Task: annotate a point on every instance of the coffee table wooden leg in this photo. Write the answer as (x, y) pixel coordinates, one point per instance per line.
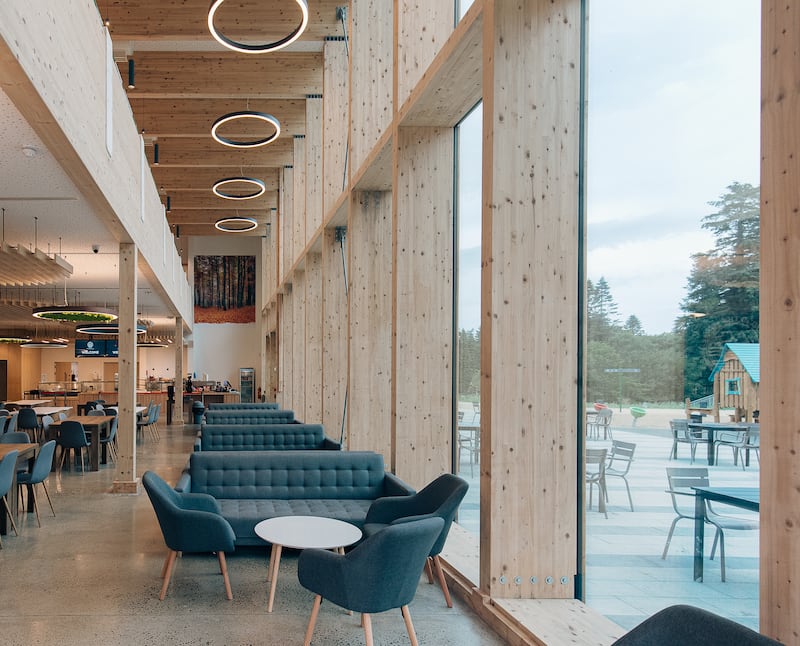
(276, 562)
(269, 563)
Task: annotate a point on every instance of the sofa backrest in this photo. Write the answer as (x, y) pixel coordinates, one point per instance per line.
(243, 406)
(288, 475)
(269, 437)
(247, 416)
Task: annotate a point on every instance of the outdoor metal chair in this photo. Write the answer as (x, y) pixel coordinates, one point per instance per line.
(619, 463)
(596, 477)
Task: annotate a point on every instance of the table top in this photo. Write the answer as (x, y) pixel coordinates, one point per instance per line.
(303, 532)
(31, 402)
(86, 420)
(23, 449)
(51, 410)
(745, 497)
(734, 425)
(137, 409)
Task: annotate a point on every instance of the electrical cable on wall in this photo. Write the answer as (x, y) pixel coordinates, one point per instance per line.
(341, 234)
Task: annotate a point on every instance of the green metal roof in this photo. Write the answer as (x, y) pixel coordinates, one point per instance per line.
(747, 353)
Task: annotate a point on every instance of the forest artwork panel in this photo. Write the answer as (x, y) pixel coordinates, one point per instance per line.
(224, 289)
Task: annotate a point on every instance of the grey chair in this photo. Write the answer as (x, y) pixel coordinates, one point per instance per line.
(440, 498)
(7, 467)
(108, 443)
(681, 481)
(15, 437)
(38, 474)
(596, 477)
(683, 625)
(191, 523)
(736, 440)
(683, 434)
(379, 574)
(11, 426)
(619, 464)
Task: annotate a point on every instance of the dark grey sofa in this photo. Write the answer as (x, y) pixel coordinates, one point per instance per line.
(251, 486)
(250, 416)
(264, 437)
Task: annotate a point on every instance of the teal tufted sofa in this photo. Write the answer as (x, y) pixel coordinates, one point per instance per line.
(251, 486)
(264, 437)
(250, 416)
(243, 406)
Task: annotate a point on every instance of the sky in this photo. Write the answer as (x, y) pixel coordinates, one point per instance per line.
(672, 120)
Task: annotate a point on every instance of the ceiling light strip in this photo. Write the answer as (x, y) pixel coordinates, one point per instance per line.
(263, 48)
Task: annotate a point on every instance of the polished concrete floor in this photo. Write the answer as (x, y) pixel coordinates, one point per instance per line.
(91, 576)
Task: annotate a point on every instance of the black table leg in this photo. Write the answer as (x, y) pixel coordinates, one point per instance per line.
(699, 530)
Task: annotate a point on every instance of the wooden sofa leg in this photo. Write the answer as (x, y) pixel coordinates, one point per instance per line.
(412, 635)
(367, 623)
(223, 566)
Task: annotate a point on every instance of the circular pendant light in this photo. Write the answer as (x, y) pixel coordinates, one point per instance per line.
(11, 339)
(262, 48)
(221, 184)
(105, 328)
(236, 224)
(43, 344)
(74, 314)
(245, 114)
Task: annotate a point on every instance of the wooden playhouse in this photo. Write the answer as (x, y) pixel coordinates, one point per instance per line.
(736, 377)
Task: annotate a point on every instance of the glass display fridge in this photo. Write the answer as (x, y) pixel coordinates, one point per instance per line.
(247, 378)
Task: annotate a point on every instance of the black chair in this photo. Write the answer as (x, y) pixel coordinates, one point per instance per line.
(38, 475)
(190, 522)
(379, 574)
(28, 422)
(683, 625)
(439, 498)
(71, 437)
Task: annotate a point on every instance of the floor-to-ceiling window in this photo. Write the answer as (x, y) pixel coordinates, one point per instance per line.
(468, 322)
(672, 295)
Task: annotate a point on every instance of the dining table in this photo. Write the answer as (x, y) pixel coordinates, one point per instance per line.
(742, 497)
(97, 426)
(31, 403)
(712, 428)
(25, 451)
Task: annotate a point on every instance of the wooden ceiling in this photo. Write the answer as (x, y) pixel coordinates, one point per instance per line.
(185, 80)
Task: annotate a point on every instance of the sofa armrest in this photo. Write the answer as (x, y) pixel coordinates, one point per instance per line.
(198, 441)
(394, 486)
(330, 445)
(184, 484)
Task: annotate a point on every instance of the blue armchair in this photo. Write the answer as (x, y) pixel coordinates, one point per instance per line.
(378, 574)
(190, 522)
(440, 498)
(683, 625)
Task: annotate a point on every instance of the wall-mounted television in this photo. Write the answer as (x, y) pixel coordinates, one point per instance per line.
(112, 348)
(90, 348)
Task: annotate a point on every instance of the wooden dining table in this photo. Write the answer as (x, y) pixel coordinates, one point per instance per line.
(98, 426)
(25, 451)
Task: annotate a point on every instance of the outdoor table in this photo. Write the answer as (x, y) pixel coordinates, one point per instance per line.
(716, 427)
(743, 497)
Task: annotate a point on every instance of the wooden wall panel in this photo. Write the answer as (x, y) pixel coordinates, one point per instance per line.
(370, 247)
(371, 76)
(285, 360)
(299, 344)
(334, 330)
(286, 241)
(298, 200)
(336, 113)
(272, 367)
(313, 152)
(422, 29)
(780, 322)
(423, 327)
(313, 334)
(529, 335)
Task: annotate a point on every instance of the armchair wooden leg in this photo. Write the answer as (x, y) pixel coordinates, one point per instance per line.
(428, 570)
(170, 564)
(223, 566)
(409, 626)
(367, 622)
(312, 620)
(442, 582)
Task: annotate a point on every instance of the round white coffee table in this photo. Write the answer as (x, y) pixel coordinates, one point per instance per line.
(302, 532)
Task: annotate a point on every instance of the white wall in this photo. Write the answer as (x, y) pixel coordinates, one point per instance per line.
(220, 350)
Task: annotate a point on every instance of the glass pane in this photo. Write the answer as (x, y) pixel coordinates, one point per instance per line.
(672, 296)
(468, 313)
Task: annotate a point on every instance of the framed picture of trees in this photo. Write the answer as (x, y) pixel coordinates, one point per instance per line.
(224, 289)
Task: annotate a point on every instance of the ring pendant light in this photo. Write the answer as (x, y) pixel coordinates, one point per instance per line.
(105, 328)
(263, 48)
(74, 314)
(219, 192)
(246, 114)
(236, 224)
